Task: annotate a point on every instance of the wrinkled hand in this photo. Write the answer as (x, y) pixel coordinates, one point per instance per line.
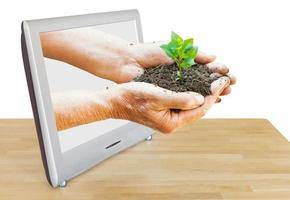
(111, 57)
(159, 108)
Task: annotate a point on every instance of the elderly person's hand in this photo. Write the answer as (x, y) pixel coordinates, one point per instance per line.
(162, 109)
(143, 103)
(111, 57)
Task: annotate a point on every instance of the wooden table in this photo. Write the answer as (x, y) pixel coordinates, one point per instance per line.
(210, 159)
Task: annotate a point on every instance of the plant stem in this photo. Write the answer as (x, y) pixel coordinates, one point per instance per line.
(180, 75)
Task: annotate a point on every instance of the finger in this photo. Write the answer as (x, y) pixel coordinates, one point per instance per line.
(188, 116)
(179, 100)
(161, 98)
(226, 91)
(233, 79)
(218, 68)
(167, 99)
(157, 56)
(203, 58)
(216, 75)
(218, 86)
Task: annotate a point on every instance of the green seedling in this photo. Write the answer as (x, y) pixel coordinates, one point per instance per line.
(183, 52)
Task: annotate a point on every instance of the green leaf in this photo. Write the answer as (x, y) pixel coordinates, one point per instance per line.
(167, 50)
(174, 49)
(190, 52)
(187, 63)
(176, 39)
(194, 52)
(188, 43)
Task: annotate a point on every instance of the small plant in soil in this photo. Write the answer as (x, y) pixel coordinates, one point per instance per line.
(184, 74)
(181, 51)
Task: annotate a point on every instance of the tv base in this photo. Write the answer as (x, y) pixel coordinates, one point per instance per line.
(149, 138)
(63, 184)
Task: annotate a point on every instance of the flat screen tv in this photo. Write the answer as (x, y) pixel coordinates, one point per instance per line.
(66, 97)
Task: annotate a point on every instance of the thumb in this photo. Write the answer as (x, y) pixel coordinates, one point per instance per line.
(217, 88)
(154, 52)
(203, 58)
(179, 100)
(162, 98)
(166, 99)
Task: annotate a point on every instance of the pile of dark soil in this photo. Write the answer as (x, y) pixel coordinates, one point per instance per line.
(196, 79)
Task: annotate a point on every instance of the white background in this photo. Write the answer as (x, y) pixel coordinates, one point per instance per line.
(252, 37)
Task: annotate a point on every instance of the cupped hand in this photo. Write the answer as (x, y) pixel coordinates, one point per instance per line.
(111, 57)
(146, 55)
(159, 108)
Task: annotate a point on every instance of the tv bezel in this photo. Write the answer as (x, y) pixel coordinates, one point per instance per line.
(62, 166)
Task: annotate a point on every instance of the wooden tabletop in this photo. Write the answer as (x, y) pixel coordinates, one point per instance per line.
(210, 159)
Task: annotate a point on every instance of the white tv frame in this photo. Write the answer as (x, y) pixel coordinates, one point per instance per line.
(62, 166)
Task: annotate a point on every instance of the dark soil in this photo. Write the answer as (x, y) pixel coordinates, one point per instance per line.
(196, 79)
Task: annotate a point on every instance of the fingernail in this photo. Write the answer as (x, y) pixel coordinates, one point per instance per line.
(218, 100)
